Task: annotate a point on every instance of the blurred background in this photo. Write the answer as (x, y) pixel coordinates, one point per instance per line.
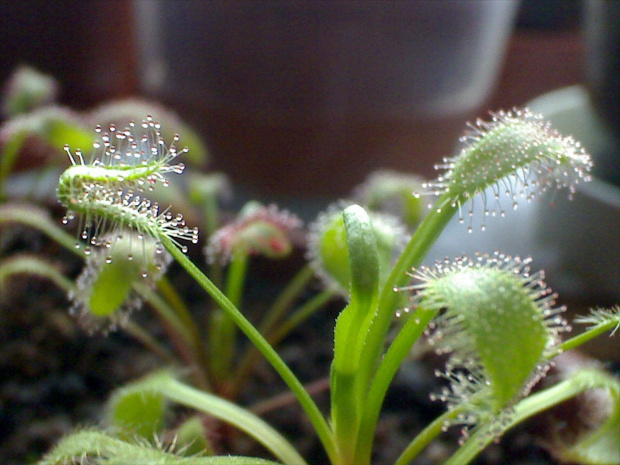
(299, 101)
(305, 98)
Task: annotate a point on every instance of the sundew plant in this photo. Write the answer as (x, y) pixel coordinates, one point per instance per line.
(492, 315)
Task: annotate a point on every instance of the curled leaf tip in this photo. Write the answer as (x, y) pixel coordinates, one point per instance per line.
(498, 322)
(516, 154)
(106, 192)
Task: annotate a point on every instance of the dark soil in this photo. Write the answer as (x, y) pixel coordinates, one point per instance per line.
(54, 377)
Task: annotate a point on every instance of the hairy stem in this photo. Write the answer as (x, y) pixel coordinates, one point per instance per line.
(432, 430)
(399, 349)
(579, 382)
(413, 254)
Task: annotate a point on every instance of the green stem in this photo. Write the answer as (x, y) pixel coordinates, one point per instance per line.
(236, 277)
(584, 337)
(175, 302)
(271, 317)
(33, 266)
(399, 349)
(429, 433)
(180, 335)
(138, 333)
(318, 421)
(301, 314)
(223, 332)
(579, 382)
(211, 215)
(413, 254)
(186, 319)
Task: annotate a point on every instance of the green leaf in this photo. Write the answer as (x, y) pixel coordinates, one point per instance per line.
(601, 447)
(353, 321)
(363, 256)
(191, 438)
(497, 152)
(505, 325)
(133, 411)
(497, 325)
(112, 286)
(348, 379)
(163, 384)
(329, 247)
(104, 449)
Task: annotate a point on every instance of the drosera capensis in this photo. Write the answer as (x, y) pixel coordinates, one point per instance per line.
(494, 316)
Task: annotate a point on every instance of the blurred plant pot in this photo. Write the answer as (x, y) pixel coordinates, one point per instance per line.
(72, 42)
(577, 241)
(305, 98)
(602, 34)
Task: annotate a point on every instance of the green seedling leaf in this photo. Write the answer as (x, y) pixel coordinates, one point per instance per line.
(347, 377)
(362, 246)
(354, 320)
